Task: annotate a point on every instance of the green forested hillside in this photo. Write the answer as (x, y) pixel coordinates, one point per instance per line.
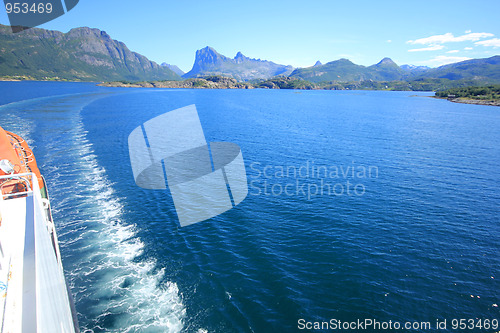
(479, 71)
(81, 54)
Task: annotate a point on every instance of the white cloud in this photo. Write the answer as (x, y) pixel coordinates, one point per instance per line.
(453, 51)
(468, 31)
(468, 48)
(444, 60)
(389, 41)
(448, 38)
(430, 48)
(437, 39)
(495, 42)
(473, 36)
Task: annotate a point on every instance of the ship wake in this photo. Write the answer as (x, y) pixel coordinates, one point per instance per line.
(114, 288)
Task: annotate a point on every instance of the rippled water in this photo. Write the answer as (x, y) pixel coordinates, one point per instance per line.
(379, 205)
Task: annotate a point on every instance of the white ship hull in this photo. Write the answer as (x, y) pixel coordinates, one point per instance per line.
(33, 292)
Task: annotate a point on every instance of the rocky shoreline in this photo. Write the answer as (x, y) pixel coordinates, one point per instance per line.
(475, 101)
(471, 101)
(220, 82)
(197, 83)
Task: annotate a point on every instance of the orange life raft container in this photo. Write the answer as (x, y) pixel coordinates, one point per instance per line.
(16, 151)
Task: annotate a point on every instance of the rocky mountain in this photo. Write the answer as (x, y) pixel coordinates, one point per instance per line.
(174, 69)
(81, 54)
(242, 68)
(486, 70)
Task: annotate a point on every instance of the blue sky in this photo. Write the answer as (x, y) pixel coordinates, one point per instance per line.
(296, 33)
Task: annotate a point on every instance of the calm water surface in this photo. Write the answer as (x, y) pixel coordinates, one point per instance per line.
(361, 205)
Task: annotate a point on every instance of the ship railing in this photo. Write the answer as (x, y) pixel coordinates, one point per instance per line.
(37, 303)
(28, 179)
(25, 178)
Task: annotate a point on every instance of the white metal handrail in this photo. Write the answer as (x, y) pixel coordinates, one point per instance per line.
(21, 177)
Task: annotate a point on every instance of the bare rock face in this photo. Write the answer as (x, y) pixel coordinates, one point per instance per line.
(242, 68)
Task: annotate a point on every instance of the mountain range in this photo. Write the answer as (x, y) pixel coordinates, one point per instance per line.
(242, 68)
(87, 54)
(343, 70)
(487, 69)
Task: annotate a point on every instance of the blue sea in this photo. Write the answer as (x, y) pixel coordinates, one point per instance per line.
(362, 205)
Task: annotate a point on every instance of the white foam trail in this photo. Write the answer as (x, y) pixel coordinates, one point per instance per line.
(113, 289)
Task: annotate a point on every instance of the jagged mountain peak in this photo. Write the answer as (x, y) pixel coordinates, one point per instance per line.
(207, 49)
(239, 58)
(210, 62)
(206, 56)
(208, 53)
